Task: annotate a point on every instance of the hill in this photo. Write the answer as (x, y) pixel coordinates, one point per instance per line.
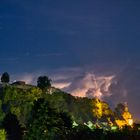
(20, 100)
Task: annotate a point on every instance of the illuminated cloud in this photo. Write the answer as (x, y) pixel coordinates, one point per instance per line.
(90, 85)
(61, 85)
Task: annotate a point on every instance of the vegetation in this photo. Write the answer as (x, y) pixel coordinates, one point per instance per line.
(5, 78)
(46, 123)
(2, 134)
(32, 113)
(43, 82)
(12, 127)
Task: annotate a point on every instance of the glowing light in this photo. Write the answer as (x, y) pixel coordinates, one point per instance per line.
(120, 123)
(130, 122)
(114, 128)
(74, 124)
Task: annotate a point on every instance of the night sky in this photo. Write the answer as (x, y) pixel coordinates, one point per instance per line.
(73, 40)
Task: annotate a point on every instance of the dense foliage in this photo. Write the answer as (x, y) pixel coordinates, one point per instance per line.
(46, 123)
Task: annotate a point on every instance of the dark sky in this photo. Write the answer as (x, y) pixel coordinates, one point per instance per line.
(92, 35)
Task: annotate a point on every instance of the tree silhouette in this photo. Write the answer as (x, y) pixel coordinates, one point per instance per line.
(43, 82)
(5, 78)
(12, 127)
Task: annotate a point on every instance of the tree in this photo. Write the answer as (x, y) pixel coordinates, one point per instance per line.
(119, 110)
(97, 108)
(5, 78)
(46, 123)
(43, 82)
(12, 127)
(122, 113)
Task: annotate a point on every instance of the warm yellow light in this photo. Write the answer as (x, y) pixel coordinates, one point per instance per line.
(130, 122)
(121, 123)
